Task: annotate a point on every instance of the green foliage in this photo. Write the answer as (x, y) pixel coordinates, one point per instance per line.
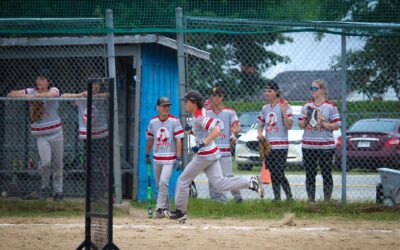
(375, 68)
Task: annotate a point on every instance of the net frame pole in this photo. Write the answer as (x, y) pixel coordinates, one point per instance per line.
(87, 243)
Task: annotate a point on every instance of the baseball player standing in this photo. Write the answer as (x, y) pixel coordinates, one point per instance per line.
(47, 129)
(319, 117)
(206, 158)
(229, 125)
(276, 116)
(99, 136)
(164, 135)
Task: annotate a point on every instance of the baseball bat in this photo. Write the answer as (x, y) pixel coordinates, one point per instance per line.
(149, 194)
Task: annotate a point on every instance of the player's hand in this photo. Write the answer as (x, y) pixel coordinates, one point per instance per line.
(179, 162)
(188, 127)
(148, 161)
(196, 148)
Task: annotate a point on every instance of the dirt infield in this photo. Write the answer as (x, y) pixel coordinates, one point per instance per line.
(138, 232)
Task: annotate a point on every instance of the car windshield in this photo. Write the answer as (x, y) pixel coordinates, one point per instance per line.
(373, 126)
(248, 118)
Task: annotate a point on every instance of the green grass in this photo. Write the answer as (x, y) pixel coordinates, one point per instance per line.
(36, 208)
(204, 208)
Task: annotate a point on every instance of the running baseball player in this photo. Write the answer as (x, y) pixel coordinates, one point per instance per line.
(164, 135)
(47, 129)
(206, 158)
(229, 125)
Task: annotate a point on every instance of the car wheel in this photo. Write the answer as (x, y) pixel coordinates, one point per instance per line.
(388, 201)
(379, 193)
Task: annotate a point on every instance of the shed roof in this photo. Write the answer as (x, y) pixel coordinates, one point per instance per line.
(98, 40)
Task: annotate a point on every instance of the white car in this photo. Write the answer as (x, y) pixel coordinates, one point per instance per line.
(247, 154)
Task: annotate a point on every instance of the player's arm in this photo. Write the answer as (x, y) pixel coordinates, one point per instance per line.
(260, 126)
(149, 145)
(329, 125)
(287, 122)
(51, 93)
(71, 95)
(334, 120)
(178, 147)
(212, 135)
(235, 128)
(18, 93)
(303, 118)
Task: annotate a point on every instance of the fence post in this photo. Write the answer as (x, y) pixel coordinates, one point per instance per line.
(182, 77)
(343, 117)
(112, 74)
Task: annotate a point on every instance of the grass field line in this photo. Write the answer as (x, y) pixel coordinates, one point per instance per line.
(205, 227)
(318, 185)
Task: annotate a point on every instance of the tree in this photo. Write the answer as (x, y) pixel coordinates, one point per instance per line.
(377, 67)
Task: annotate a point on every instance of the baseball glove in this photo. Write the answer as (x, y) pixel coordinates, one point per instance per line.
(37, 109)
(264, 148)
(313, 117)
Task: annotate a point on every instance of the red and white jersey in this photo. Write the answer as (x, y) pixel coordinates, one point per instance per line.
(271, 118)
(164, 134)
(225, 119)
(201, 127)
(50, 121)
(317, 137)
(99, 119)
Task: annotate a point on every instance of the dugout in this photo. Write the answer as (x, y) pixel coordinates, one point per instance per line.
(146, 67)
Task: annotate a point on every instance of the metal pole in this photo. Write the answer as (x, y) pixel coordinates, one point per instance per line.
(138, 91)
(343, 118)
(112, 74)
(182, 77)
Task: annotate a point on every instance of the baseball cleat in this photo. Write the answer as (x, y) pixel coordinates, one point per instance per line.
(255, 185)
(177, 215)
(160, 213)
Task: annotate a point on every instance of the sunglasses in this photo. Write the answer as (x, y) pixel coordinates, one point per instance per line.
(314, 88)
(220, 95)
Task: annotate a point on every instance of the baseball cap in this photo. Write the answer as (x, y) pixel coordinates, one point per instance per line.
(43, 73)
(163, 101)
(218, 91)
(271, 84)
(194, 96)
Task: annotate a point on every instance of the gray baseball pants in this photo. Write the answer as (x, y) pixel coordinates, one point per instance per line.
(162, 173)
(226, 167)
(51, 147)
(212, 169)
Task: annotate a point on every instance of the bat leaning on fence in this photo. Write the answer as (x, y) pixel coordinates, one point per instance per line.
(149, 194)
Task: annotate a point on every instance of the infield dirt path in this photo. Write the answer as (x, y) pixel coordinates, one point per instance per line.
(137, 232)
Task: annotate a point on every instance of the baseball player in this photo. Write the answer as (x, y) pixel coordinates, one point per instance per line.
(229, 125)
(319, 117)
(47, 129)
(276, 118)
(99, 136)
(206, 158)
(164, 135)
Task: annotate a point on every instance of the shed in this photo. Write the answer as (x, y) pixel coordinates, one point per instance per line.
(146, 68)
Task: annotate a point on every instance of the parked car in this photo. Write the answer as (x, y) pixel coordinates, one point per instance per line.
(247, 119)
(372, 144)
(247, 154)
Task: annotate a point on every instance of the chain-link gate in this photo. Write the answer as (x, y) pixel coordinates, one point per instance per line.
(247, 56)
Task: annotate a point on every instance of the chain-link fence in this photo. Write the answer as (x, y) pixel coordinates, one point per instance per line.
(361, 100)
(358, 61)
(27, 146)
